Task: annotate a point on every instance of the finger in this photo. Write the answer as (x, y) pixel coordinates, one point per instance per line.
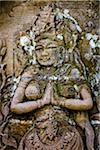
(49, 88)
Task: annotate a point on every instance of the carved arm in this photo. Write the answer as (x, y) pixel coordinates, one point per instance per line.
(76, 104)
(19, 107)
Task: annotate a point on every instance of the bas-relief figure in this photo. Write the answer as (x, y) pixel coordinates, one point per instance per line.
(54, 90)
(3, 50)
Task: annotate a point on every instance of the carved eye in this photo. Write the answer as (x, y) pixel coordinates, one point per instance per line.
(51, 47)
(71, 90)
(39, 47)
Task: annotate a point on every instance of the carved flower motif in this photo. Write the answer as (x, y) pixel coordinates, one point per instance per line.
(75, 73)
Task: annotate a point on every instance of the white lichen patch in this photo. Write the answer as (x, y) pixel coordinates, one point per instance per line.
(65, 15)
(32, 35)
(60, 36)
(78, 28)
(97, 44)
(95, 122)
(92, 43)
(93, 40)
(66, 11)
(24, 41)
(76, 87)
(16, 82)
(59, 14)
(33, 60)
(28, 42)
(88, 36)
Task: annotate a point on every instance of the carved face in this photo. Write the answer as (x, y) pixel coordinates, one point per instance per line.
(45, 52)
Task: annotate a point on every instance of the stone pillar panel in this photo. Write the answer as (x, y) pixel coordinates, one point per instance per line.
(49, 75)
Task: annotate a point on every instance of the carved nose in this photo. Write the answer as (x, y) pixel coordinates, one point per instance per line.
(44, 53)
(50, 85)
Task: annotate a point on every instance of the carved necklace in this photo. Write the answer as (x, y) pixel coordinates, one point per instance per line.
(62, 74)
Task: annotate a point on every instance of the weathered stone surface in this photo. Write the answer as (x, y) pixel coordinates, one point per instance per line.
(65, 69)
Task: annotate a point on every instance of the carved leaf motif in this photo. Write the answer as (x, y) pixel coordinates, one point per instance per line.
(3, 51)
(10, 141)
(1, 117)
(5, 109)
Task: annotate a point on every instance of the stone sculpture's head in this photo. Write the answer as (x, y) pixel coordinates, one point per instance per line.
(51, 41)
(47, 48)
(45, 51)
(48, 41)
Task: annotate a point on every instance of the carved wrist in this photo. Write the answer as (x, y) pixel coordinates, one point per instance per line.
(62, 103)
(39, 103)
(55, 102)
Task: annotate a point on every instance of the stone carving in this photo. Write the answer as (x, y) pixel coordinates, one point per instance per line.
(2, 65)
(92, 60)
(55, 86)
(95, 118)
(5, 94)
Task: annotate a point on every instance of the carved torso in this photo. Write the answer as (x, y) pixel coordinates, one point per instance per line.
(52, 131)
(53, 128)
